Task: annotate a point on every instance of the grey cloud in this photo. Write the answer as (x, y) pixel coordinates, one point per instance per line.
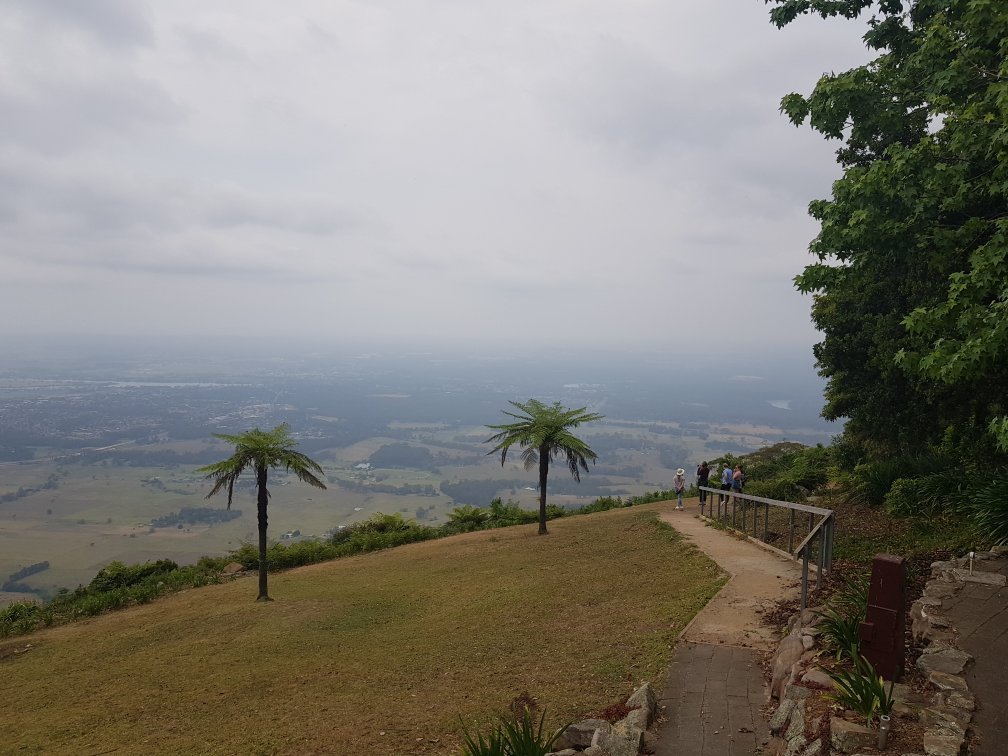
(116, 23)
(58, 116)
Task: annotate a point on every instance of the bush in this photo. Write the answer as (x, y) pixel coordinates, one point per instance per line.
(989, 509)
(862, 690)
(466, 518)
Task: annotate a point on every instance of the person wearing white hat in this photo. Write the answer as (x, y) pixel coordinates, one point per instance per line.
(679, 483)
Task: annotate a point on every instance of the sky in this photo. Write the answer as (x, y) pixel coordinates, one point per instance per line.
(530, 172)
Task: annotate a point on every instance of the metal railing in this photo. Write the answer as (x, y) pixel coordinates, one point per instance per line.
(777, 525)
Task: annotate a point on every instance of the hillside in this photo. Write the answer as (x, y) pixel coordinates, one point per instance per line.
(381, 653)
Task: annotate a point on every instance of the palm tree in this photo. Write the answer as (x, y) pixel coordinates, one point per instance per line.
(543, 432)
(260, 451)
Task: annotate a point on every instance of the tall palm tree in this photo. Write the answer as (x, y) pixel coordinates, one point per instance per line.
(544, 433)
(261, 451)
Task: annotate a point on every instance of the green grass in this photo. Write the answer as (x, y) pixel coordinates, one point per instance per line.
(402, 642)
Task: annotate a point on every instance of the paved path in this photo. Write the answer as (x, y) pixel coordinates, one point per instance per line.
(979, 614)
(715, 688)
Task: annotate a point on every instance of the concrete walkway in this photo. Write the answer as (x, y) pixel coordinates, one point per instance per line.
(979, 614)
(715, 688)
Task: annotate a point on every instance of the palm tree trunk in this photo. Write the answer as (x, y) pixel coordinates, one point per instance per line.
(262, 501)
(543, 474)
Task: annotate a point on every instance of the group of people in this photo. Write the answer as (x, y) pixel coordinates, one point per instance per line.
(732, 481)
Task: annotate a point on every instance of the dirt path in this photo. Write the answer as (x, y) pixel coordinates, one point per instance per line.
(759, 578)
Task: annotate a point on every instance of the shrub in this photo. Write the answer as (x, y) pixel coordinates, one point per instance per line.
(989, 508)
(862, 690)
(512, 738)
(466, 518)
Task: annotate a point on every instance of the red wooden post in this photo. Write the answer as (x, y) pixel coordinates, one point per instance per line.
(882, 632)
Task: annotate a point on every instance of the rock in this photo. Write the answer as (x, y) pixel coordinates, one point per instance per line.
(580, 734)
(796, 723)
(796, 745)
(960, 699)
(644, 698)
(808, 641)
(999, 550)
(564, 752)
(789, 651)
(984, 578)
(815, 748)
(945, 721)
(795, 692)
(232, 568)
(848, 737)
(937, 590)
(782, 715)
(945, 681)
(593, 751)
(951, 661)
(942, 745)
(613, 744)
(816, 676)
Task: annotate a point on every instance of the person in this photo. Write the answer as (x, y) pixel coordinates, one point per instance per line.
(737, 479)
(702, 478)
(726, 483)
(679, 483)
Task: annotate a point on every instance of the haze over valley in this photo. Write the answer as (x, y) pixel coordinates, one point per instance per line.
(98, 452)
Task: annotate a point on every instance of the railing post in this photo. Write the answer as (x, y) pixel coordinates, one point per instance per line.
(766, 522)
(804, 581)
(790, 539)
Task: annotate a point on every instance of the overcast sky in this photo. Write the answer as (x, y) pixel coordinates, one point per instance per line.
(529, 171)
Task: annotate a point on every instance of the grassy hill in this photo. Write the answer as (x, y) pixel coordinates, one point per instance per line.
(380, 653)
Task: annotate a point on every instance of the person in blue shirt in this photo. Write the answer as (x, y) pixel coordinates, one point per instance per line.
(726, 482)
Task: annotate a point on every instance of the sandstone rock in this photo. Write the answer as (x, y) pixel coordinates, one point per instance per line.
(849, 737)
(984, 578)
(950, 660)
(961, 699)
(815, 748)
(782, 715)
(935, 589)
(645, 699)
(795, 692)
(796, 745)
(580, 734)
(613, 744)
(999, 550)
(942, 745)
(818, 677)
(629, 733)
(789, 651)
(808, 641)
(564, 752)
(796, 723)
(946, 721)
(232, 568)
(945, 681)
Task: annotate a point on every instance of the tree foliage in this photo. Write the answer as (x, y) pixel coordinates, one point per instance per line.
(910, 282)
(543, 432)
(261, 451)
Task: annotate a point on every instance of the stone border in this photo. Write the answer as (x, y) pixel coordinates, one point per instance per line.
(948, 717)
(628, 737)
(946, 714)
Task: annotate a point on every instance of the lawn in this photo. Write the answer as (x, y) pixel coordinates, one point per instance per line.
(381, 653)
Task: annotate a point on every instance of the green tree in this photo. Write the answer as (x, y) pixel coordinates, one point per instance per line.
(543, 432)
(911, 280)
(260, 451)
